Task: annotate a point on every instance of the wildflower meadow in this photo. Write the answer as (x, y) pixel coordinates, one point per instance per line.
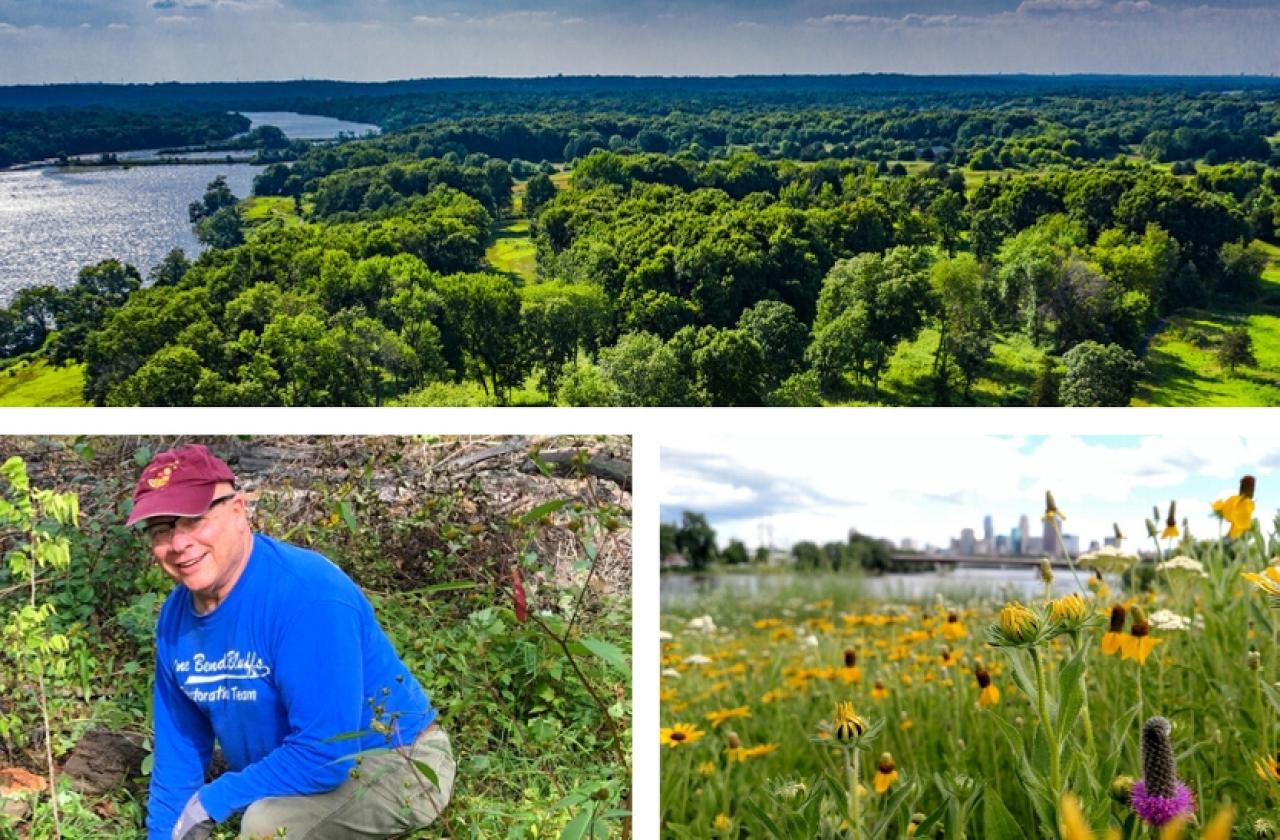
(1139, 701)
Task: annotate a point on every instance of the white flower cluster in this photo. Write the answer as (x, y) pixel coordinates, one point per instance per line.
(1169, 620)
(702, 624)
(1182, 565)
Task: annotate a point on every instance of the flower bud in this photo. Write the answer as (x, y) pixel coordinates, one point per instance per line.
(1121, 788)
(1253, 659)
(1019, 623)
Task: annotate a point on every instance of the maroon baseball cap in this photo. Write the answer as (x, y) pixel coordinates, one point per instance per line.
(178, 482)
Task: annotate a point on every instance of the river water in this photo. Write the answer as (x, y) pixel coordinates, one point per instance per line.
(53, 221)
(685, 591)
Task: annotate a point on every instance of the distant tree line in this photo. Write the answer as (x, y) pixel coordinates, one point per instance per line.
(695, 540)
(36, 135)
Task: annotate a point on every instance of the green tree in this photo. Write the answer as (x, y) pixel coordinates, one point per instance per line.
(1236, 349)
(696, 540)
(561, 320)
(965, 329)
(730, 370)
(80, 310)
(869, 304)
(484, 311)
(538, 191)
(223, 229)
(170, 270)
(169, 378)
(1099, 375)
(735, 553)
(644, 371)
(781, 336)
(217, 196)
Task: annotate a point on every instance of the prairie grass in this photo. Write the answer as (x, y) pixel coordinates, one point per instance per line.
(762, 684)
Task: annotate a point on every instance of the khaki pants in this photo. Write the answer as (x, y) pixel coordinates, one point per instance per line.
(388, 797)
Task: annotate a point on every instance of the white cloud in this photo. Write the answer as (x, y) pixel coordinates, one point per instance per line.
(1056, 6)
(931, 487)
(429, 20)
(176, 20)
(847, 20)
(117, 26)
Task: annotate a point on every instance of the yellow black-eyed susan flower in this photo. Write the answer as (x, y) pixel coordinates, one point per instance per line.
(1138, 644)
(850, 673)
(1268, 580)
(953, 629)
(679, 735)
(989, 694)
(719, 716)
(1268, 767)
(1113, 639)
(878, 691)
(848, 725)
(886, 773)
(1238, 509)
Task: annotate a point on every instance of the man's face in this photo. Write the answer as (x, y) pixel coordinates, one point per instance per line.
(204, 553)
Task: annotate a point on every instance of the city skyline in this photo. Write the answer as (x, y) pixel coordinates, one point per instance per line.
(940, 486)
(227, 40)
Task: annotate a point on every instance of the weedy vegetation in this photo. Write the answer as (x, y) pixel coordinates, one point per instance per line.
(506, 600)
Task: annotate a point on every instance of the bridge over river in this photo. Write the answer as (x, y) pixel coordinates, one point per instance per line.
(984, 561)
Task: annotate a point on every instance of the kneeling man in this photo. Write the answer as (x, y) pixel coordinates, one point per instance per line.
(274, 652)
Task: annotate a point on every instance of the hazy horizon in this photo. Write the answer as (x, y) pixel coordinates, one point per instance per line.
(136, 41)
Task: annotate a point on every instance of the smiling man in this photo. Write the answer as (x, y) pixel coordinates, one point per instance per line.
(272, 651)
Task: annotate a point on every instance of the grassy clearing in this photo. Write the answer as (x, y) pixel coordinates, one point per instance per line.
(37, 383)
(511, 251)
(1007, 378)
(1182, 364)
(269, 210)
(748, 709)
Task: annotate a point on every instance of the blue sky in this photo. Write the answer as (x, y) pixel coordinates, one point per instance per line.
(929, 488)
(149, 40)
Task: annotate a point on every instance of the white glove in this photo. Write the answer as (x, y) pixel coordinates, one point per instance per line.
(194, 823)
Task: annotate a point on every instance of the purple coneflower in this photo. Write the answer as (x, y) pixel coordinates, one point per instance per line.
(1159, 796)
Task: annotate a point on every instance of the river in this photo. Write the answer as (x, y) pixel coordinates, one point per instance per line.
(684, 591)
(55, 221)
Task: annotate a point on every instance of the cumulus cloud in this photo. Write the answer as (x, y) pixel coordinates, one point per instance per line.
(429, 20)
(818, 487)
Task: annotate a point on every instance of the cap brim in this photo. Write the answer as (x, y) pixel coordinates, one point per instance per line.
(189, 500)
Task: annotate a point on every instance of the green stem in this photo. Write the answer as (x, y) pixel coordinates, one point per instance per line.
(1050, 736)
(852, 768)
(1062, 548)
(1084, 707)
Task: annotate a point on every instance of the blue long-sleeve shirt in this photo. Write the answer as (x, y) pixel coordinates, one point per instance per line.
(291, 658)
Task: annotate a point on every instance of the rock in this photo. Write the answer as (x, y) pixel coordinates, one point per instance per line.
(15, 784)
(104, 761)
